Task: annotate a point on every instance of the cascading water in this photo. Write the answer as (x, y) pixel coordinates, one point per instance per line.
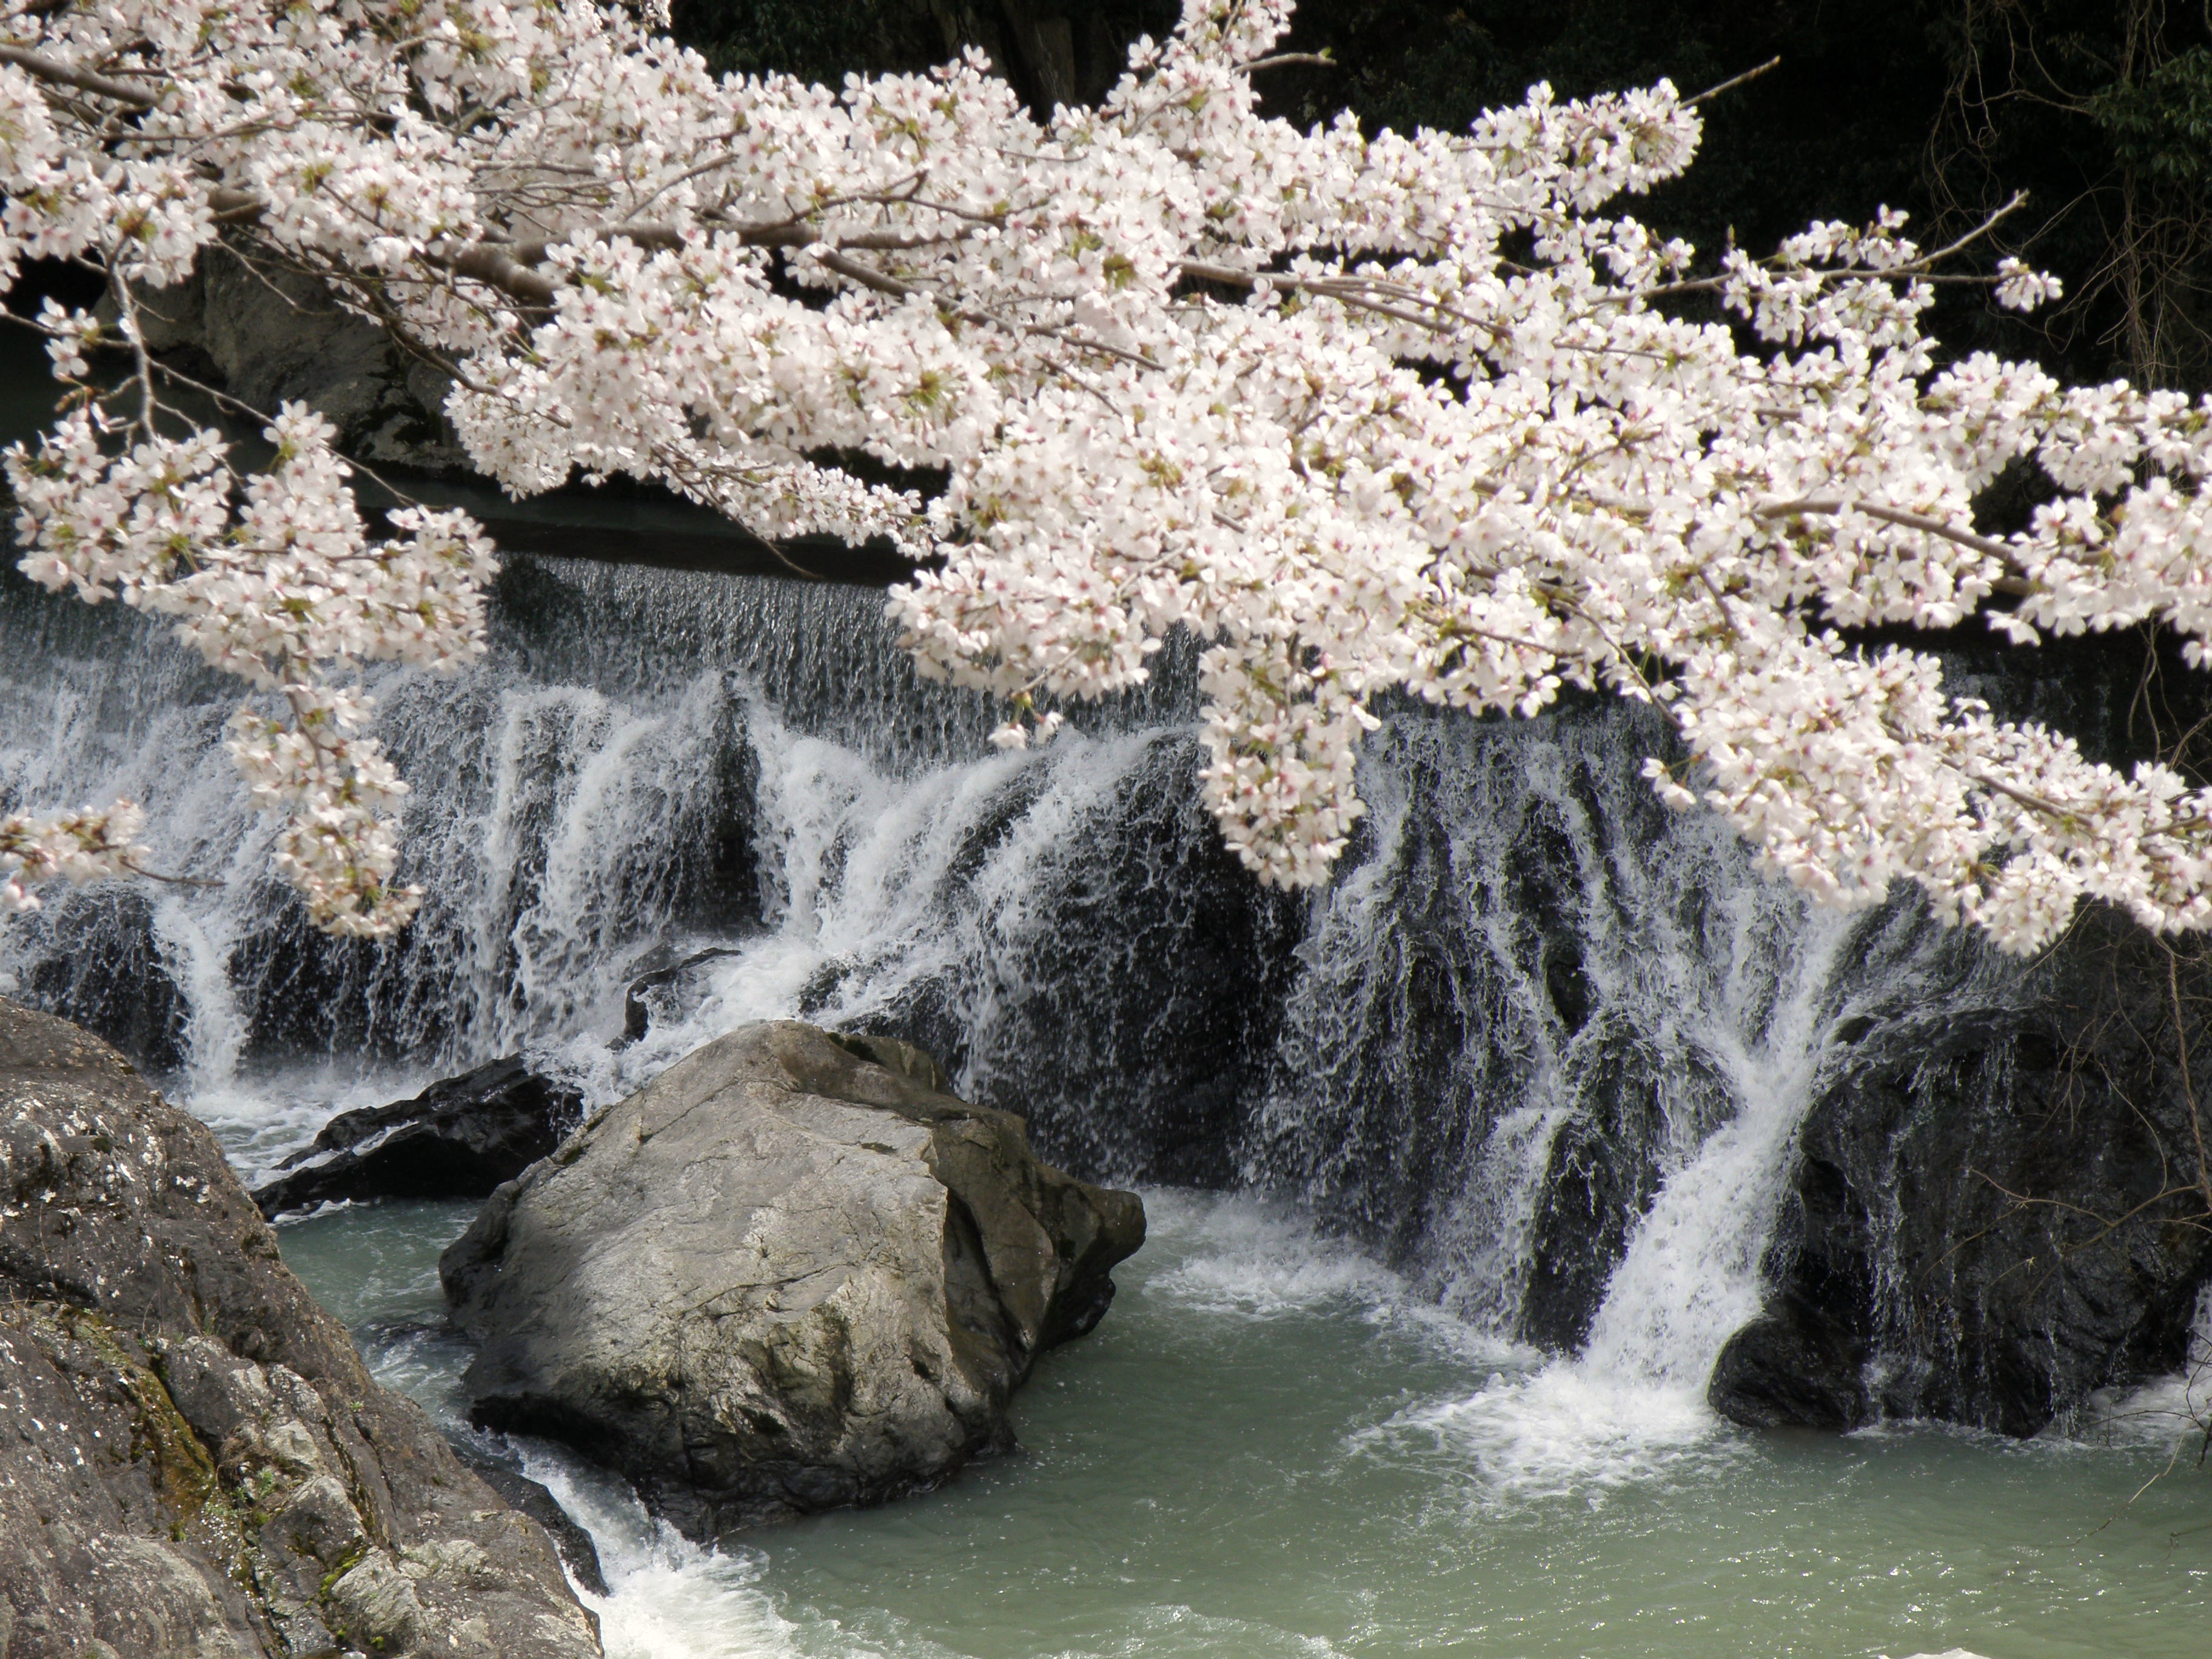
(1521, 1090)
(1487, 1050)
(1632, 1400)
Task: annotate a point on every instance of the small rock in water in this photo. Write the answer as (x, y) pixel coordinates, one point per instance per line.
(661, 992)
(790, 1273)
(1790, 1368)
(458, 1139)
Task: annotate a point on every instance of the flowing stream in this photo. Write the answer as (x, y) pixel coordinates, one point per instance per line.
(1460, 1172)
(1263, 1451)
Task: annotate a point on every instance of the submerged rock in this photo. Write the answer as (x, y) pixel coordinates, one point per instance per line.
(194, 1458)
(458, 1139)
(792, 1273)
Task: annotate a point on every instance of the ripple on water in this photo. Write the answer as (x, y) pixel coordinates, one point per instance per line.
(1272, 1448)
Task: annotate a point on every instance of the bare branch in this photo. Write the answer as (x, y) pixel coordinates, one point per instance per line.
(1889, 515)
(495, 268)
(1731, 83)
(68, 75)
(1284, 60)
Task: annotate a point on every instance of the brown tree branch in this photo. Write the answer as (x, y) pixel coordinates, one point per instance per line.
(68, 75)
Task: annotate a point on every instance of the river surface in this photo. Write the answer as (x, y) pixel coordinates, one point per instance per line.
(1270, 1448)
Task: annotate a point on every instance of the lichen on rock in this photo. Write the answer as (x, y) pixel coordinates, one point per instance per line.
(192, 1457)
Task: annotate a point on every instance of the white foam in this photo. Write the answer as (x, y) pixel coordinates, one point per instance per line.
(1246, 1257)
(1632, 1405)
(264, 1118)
(1559, 1430)
(2167, 1410)
(667, 1596)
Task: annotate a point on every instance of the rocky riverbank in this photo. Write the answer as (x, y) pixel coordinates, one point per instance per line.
(194, 1458)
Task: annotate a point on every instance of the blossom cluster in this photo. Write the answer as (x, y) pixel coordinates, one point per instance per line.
(1362, 411)
(271, 576)
(78, 846)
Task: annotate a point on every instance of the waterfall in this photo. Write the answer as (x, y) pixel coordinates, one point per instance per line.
(1542, 1046)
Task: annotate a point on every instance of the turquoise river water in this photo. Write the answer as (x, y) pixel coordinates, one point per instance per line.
(1268, 1449)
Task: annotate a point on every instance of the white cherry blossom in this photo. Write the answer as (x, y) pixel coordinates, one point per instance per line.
(1424, 412)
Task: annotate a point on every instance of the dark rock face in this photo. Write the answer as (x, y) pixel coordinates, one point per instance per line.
(458, 1139)
(271, 336)
(1600, 1180)
(1791, 1367)
(192, 1457)
(1153, 1080)
(1998, 1208)
(789, 1274)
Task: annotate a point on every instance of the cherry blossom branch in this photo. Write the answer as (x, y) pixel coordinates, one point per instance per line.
(68, 75)
(1473, 477)
(1898, 516)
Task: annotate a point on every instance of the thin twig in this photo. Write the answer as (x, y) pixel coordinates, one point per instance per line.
(1731, 83)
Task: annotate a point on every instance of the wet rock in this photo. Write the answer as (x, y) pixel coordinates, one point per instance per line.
(1598, 1179)
(1790, 1367)
(666, 994)
(1996, 1205)
(535, 1499)
(791, 1272)
(192, 1457)
(458, 1139)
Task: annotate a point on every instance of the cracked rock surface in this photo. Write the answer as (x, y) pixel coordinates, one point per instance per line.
(791, 1272)
(193, 1459)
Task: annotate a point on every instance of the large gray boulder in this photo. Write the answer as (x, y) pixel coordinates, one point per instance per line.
(790, 1273)
(193, 1459)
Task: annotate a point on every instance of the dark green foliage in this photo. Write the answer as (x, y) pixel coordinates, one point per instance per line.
(2162, 125)
(2101, 110)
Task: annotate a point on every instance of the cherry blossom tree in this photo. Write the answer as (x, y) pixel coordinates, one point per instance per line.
(1362, 412)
